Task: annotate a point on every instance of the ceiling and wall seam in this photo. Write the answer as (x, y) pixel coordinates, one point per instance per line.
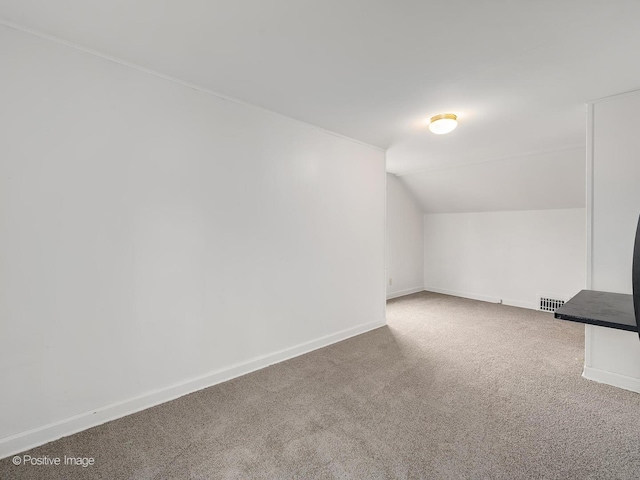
(155, 73)
(491, 160)
(409, 193)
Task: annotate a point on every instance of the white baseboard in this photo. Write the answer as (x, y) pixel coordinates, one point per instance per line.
(472, 296)
(484, 298)
(520, 303)
(402, 293)
(610, 378)
(47, 433)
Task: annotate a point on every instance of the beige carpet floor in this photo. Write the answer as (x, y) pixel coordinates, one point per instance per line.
(450, 389)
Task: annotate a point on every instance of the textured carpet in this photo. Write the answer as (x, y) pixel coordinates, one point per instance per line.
(451, 389)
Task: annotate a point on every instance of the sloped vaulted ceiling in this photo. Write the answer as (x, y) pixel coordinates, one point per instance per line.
(516, 73)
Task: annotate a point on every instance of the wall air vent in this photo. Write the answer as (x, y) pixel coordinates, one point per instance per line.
(550, 303)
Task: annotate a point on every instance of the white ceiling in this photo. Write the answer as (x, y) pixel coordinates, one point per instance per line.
(530, 182)
(516, 72)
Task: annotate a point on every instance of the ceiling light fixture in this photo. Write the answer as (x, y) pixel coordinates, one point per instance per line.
(443, 123)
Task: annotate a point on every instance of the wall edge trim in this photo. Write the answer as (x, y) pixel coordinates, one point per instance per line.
(29, 439)
(406, 291)
(483, 298)
(611, 378)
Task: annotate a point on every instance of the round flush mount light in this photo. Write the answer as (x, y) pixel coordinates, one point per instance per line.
(443, 123)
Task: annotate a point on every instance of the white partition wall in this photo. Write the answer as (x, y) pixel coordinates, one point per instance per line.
(613, 175)
(405, 242)
(156, 238)
(509, 257)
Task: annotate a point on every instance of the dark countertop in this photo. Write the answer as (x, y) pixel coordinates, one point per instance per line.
(613, 310)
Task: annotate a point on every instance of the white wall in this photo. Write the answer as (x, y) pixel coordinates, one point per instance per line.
(613, 356)
(404, 241)
(508, 256)
(155, 239)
